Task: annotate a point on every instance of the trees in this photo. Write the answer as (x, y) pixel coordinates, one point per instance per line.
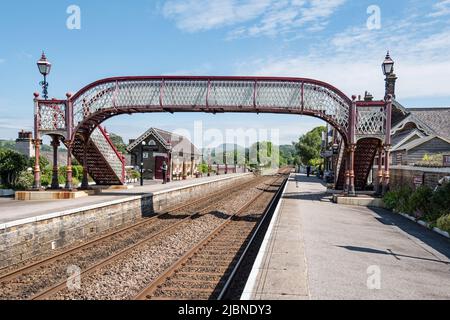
(11, 165)
(264, 153)
(309, 146)
(118, 143)
(287, 155)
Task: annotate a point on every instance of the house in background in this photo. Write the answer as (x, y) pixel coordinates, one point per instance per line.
(418, 133)
(24, 143)
(177, 151)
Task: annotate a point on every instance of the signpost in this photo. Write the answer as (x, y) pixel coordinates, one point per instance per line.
(446, 161)
(418, 181)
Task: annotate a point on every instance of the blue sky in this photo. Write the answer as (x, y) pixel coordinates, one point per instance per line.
(324, 39)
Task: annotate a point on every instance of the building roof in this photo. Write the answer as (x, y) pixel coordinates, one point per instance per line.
(169, 140)
(418, 142)
(404, 136)
(437, 119)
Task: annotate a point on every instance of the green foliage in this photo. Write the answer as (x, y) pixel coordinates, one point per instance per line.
(287, 155)
(310, 145)
(77, 172)
(8, 145)
(264, 153)
(443, 223)
(423, 202)
(434, 160)
(43, 162)
(203, 168)
(390, 199)
(399, 199)
(24, 181)
(118, 143)
(419, 202)
(440, 202)
(11, 165)
(135, 174)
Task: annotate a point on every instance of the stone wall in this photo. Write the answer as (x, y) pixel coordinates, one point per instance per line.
(409, 176)
(20, 242)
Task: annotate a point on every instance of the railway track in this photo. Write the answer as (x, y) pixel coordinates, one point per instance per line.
(207, 270)
(27, 282)
(47, 279)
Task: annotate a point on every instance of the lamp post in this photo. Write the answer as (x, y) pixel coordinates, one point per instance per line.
(142, 162)
(391, 78)
(44, 68)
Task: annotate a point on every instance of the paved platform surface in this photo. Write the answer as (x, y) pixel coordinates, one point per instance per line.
(320, 250)
(11, 210)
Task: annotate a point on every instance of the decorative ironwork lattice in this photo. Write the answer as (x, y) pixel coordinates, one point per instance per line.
(93, 104)
(107, 151)
(52, 116)
(266, 95)
(370, 121)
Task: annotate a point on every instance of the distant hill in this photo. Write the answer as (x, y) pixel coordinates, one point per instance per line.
(229, 147)
(8, 144)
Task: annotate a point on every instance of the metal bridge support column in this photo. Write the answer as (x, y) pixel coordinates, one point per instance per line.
(347, 172)
(386, 178)
(387, 144)
(379, 189)
(37, 145)
(37, 170)
(69, 182)
(55, 181)
(352, 148)
(85, 182)
(351, 186)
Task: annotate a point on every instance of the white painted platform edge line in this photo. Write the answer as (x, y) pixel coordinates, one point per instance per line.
(57, 214)
(250, 284)
(230, 176)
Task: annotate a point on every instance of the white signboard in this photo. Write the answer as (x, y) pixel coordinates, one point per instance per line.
(156, 154)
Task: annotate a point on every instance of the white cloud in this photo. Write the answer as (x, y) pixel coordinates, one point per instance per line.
(262, 17)
(442, 8)
(355, 76)
(351, 60)
(199, 15)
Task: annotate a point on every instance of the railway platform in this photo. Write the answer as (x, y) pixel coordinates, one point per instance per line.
(12, 211)
(29, 229)
(315, 249)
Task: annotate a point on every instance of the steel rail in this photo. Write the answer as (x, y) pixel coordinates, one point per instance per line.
(62, 285)
(269, 208)
(31, 267)
(146, 292)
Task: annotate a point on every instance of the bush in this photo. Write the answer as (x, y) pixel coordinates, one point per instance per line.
(440, 203)
(390, 199)
(420, 201)
(203, 168)
(133, 174)
(11, 166)
(443, 223)
(399, 200)
(24, 181)
(423, 203)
